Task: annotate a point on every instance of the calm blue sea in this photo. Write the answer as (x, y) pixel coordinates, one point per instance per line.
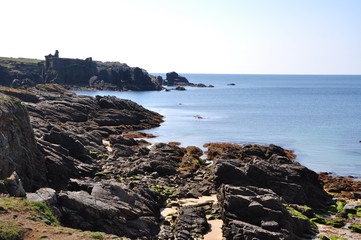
(318, 116)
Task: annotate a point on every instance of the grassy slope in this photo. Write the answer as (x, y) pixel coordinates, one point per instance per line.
(33, 220)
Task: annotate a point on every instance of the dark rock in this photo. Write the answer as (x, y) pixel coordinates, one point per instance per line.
(190, 223)
(22, 83)
(18, 72)
(258, 213)
(174, 79)
(254, 186)
(123, 141)
(19, 151)
(290, 180)
(180, 89)
(14, 186)
(112, 208)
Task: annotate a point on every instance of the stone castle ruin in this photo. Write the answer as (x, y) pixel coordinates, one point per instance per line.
(68, 71)
(74, 73)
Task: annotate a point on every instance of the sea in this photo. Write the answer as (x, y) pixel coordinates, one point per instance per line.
(317, 116)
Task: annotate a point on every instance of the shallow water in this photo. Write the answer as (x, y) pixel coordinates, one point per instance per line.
(319, 116)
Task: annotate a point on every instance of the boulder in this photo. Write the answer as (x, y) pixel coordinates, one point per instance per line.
(112, 208)
(45, 195)
(14, 186)
(190, 223)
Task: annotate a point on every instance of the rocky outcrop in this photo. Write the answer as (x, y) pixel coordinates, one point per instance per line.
(174, 79)
(258, 213)
(69, 133)
(17, 72)
(99, 75)
(18, 146)
(269, 167)
(104, 180)
(111, 207)
(120, 76)
(255, 184)
(191, 223)
(75, 73)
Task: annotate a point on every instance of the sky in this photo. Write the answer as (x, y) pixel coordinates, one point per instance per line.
(191, 36)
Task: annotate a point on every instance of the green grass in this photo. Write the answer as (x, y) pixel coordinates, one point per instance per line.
(97, 235)
(334, 237)
(44, 210)
(21, 60)
(9, 230)
(337, 223)
(32, 207)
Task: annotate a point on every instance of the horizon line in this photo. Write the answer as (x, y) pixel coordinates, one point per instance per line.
(324, 74)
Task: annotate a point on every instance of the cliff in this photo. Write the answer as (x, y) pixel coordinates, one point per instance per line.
(19, 151)
(75, 73)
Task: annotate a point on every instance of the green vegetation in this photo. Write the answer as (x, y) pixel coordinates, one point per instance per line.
(97, 235)
(44, 210)
(355, 228)
(334, 237)
(165, 192)
(323, 237)
(102, 174)
(337, 223)
(340, 205)
(9, 230)
(20, 60)
(295, 212)
(7, 99)
(36, 210)
(19, 94)
(332, 209)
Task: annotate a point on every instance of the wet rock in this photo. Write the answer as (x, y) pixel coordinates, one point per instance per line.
(180, 88)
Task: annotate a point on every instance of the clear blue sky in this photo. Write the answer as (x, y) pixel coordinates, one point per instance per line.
(191, 36)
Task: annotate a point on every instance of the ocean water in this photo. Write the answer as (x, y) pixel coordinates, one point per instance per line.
(317, 116)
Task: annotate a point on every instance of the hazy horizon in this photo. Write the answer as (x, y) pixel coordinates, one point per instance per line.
(206, 36)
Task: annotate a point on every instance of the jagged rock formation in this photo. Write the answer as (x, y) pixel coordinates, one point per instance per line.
(19, 151)
(69, 130)
(74, 73)
(21, 71)
(254, 185)
(173, 79)
(102, 180)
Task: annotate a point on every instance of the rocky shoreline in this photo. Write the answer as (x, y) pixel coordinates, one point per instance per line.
(77, 155)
